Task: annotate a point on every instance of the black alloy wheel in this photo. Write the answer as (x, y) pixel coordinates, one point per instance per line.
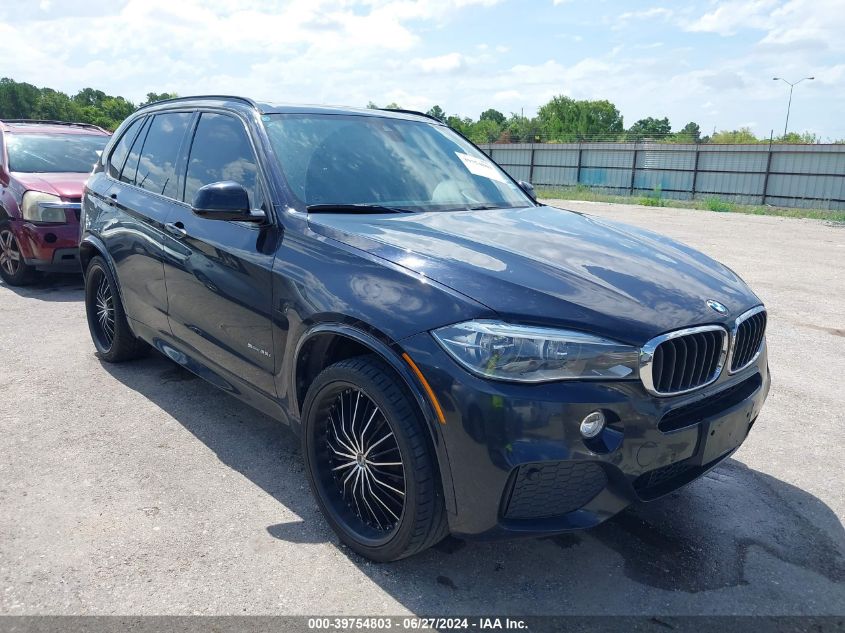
(104, 311)
(365, 462)
(107, 322)
(369, 461)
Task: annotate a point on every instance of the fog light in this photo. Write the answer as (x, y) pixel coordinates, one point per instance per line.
(593, 424)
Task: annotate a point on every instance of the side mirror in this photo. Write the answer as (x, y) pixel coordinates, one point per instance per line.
(224, 200)
(528, 188)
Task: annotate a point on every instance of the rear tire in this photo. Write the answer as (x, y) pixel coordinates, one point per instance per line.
(13, 269)
(370, 463)
(107, 323)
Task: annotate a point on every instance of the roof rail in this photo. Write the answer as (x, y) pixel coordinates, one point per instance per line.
(52, 122)
(245, 100)
(403, 111)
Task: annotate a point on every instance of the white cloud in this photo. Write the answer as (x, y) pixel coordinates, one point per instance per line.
(728, 17)
(645, 14)
(440, 64)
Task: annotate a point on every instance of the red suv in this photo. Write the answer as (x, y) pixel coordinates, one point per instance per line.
(43, 169)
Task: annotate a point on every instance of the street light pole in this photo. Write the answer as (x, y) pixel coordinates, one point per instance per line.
(789, 106)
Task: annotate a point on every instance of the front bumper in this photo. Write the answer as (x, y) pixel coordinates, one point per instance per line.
(516, 462)
(50, 247)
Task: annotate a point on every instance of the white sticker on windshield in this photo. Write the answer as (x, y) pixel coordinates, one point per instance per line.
(480, 167)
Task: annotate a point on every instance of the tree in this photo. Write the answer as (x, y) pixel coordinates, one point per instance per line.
(795, 137)
(392, 106)
(152, 97)
(650, 128)
(565, 120)
(89, 97)
(521, 129)
(492, 115)
(371, 105)
(464, 126)
(17, 100)
(690, 133)
(485, 131)
(56, 106)
(742, 135)
(437, 112)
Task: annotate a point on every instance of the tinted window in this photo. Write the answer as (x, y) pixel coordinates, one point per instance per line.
(130, 168)
(121, 151)
(221, 151)
(34, 153)
(157, 166)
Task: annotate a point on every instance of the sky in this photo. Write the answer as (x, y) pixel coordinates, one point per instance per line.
(708, 61)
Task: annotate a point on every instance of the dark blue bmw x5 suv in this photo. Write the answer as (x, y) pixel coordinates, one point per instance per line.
(456, 357)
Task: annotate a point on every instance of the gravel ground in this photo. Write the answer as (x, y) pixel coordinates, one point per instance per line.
(138, 489)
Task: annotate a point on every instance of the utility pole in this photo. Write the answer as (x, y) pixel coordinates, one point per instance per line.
(789, 106)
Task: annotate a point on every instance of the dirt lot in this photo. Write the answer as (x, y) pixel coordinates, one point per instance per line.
(137, 489)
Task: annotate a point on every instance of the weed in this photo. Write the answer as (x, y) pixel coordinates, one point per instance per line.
(720, 206)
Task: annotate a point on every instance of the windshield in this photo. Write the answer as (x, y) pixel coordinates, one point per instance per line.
(54, 153)
(368, 160)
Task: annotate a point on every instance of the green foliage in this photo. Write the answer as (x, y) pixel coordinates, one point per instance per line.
(24, 101)
(437, 112)
(690, 133)
(521, 129)
(585, 193)
(649, 128)
(492, 115)
(485, 132)
(655, 199)
(152, 97)
(566, 120)
(715, 204)
(393, 106)
(18, 100)
(464, 126)
(742, 135)
(795, 137)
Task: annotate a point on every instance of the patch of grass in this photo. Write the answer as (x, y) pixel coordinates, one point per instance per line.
(585, 193)
(718, 205)
(654, 200)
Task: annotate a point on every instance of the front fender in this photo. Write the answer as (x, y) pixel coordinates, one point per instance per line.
(391, 354)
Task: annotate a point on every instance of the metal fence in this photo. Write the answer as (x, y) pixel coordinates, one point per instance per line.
(810, 176)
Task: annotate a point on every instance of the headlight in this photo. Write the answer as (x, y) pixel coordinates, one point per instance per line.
(533, 354)
(34, 210)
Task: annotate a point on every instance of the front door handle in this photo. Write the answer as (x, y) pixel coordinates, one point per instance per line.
(176, 229)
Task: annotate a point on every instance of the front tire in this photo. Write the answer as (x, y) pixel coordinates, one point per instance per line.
(107, 323)
(13, 269)
(369, 461)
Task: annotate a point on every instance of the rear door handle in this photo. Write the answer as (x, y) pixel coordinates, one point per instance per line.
(176, 229)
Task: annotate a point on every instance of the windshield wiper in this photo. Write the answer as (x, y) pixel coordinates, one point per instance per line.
(354, 208)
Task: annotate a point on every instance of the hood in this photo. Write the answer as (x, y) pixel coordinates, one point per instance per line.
(64, 185)
(549, 266)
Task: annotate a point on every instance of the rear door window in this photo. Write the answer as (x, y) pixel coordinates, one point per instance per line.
(130, 167)
(121, 150)
(157, 164)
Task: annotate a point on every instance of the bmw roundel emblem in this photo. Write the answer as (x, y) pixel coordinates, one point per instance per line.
(716, 306)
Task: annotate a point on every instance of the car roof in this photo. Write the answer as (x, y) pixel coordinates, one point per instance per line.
(34, 126)
(241, 103)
